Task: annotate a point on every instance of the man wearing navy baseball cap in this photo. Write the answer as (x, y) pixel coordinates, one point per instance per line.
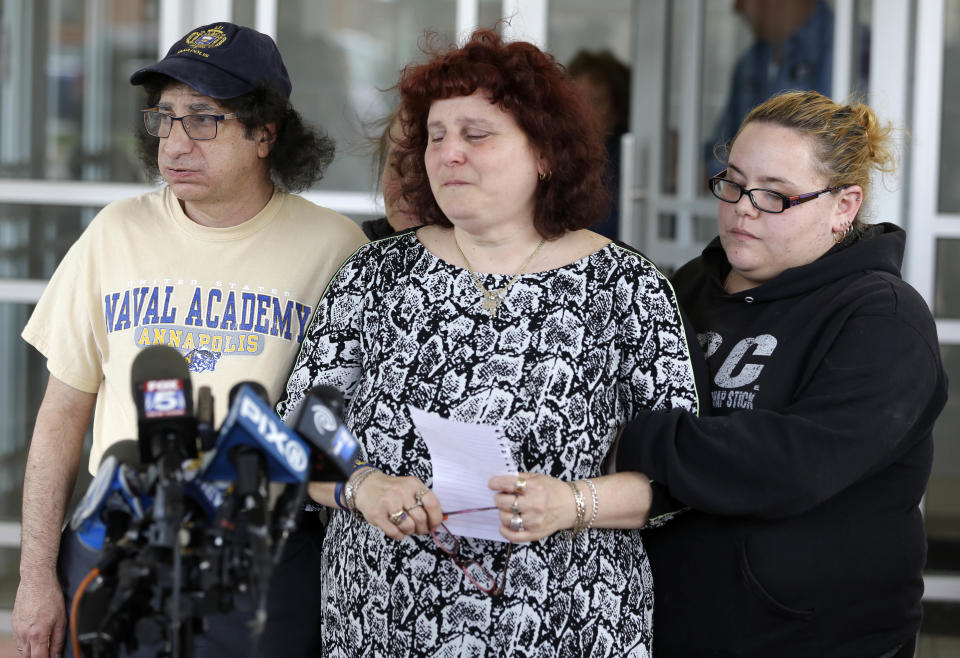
(224, 262)
(222, 60)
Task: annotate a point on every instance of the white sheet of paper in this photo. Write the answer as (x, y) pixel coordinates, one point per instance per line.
(464, 457)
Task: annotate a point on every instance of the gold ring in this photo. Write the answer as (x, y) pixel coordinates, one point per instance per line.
(515, 508)
(519, 487)
(420, 495)
(419, 503)
(398, 517)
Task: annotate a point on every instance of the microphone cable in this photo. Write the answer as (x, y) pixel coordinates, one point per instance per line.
(75, 609)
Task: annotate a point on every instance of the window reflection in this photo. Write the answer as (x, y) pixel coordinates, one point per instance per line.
(592, 39)
(9, 576)
(765, 47)
(489, 13)
(574, 25)
(68, 109)
(344, 57)
(949, 193)
(704, 228)
(33, 241)
(946, 292)
(941, 512)
(667, 226)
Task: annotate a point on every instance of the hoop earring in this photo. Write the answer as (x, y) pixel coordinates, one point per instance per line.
(840, 236)
(545, 176)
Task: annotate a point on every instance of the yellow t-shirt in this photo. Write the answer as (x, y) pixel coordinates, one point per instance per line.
(234, 301)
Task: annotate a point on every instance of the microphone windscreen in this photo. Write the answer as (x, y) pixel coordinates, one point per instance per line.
(206, 431)
(158, 362)
(333, 445)
(331, 396)
(205, 404)
(126, 451)
(163, 394)
(257, 388)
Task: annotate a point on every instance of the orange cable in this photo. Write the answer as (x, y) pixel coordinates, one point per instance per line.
(75, 609)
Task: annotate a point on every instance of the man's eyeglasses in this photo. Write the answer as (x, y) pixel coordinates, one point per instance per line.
(197, 126)
(474, 571)
(764, 200)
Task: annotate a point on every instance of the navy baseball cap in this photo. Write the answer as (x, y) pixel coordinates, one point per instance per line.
(222, 60)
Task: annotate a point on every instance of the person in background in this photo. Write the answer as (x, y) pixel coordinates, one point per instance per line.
(793, 49)
(389, 177)
(805, 536)
(182, 265)
(502, 310)
(605, 82)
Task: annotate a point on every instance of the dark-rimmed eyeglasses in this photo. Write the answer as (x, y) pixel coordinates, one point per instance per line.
(764, 200)
(198, 127)
(485, 581)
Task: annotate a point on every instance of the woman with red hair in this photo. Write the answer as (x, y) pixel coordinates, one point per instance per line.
(501, 310)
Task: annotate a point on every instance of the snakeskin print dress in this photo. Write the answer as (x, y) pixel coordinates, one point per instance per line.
(572, 354)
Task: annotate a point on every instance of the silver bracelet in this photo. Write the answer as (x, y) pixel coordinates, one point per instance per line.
(596, 504)
(350, 489)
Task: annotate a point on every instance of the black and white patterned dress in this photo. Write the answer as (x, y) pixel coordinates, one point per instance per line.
(573, 353)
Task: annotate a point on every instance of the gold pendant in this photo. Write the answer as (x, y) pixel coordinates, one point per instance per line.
(491, 303)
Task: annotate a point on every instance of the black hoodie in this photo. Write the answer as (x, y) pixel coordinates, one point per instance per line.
(805, 537)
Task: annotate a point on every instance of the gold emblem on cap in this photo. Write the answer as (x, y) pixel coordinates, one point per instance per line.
(207, 38)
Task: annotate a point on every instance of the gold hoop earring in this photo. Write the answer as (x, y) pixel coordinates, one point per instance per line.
(545, 176)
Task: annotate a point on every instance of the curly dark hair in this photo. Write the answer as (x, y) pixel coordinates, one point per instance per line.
(300, 155)
(540, 95)
(604, 67)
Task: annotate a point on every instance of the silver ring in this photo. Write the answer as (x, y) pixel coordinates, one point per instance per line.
(516, 523)
(515, 508)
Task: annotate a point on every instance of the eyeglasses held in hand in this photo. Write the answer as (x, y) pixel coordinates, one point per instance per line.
(477, 574)
(763, 200)
(198, 127)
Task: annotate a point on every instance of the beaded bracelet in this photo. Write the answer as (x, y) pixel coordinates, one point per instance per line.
(596, 504)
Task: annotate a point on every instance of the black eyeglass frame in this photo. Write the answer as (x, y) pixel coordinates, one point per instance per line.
(454, 553)
(788, 201)
(184, 121)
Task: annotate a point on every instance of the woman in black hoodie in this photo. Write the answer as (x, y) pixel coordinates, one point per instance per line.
(804, 536)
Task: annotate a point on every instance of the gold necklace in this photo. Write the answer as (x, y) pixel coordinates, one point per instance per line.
(492, 299)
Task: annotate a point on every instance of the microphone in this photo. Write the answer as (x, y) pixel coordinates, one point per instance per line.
(333, 446)
(257, 388)
(252, 422)
(254, 447)
(206, 430)
(163, 394)
(112, 501)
